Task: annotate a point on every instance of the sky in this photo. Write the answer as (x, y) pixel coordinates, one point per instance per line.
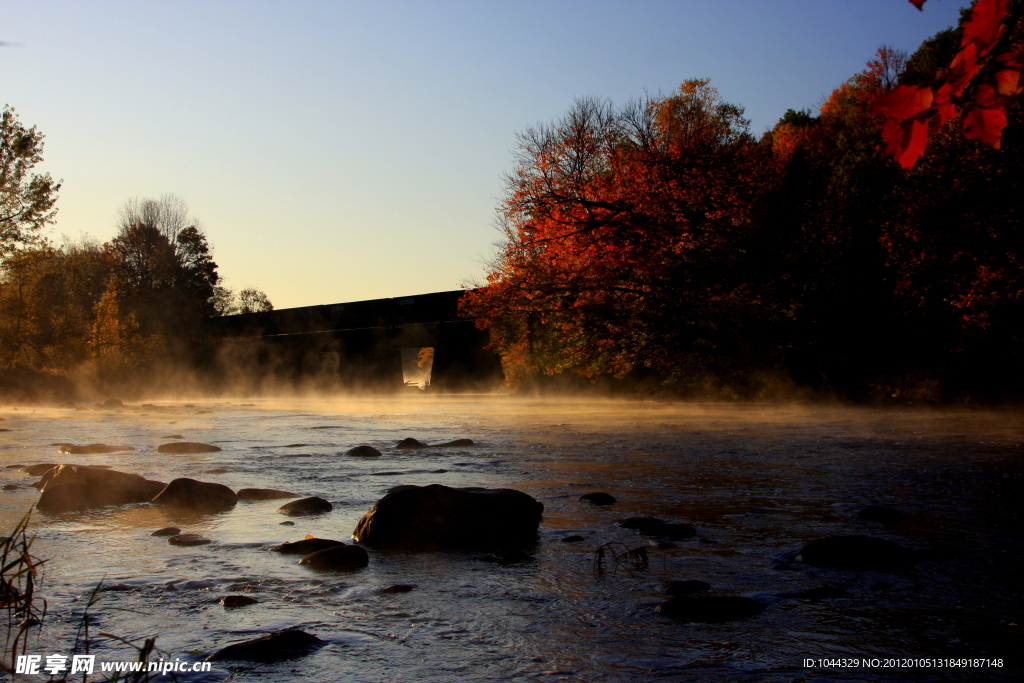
(342, 151)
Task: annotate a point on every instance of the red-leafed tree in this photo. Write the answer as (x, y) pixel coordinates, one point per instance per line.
(627, 236)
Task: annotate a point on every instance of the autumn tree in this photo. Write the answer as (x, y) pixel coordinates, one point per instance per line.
(26, 199)
(163, 266)
(626, 236)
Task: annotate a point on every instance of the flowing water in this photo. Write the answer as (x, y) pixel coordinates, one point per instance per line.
(757, 481)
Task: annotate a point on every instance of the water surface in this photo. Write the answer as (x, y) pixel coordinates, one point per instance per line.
(756, 481)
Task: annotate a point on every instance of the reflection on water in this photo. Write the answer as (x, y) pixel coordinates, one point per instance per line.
(756, 481)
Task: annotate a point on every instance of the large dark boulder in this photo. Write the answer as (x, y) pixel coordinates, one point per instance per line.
(410, 444)
(196, 495)
(187, 447)
(436, 517)
(67, 488)
(855, 552)
(709, 608)
(337, 558)
(271, 648)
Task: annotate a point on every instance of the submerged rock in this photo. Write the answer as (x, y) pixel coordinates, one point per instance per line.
(271, 648)
(167, 531)
(709, 609)
(457, 443)
(573, 539)
(856, 553)
(68, 488)
(436, 517)
(410, 444)
(306, 546)
(398, 588)
(337, 558)
(72, 449)
(112, 403)
(187, 447)
(363, 452)
(314, 505)
(263, 494)
(598, 498)
(232, 601)
(196, 495)
(188, 540)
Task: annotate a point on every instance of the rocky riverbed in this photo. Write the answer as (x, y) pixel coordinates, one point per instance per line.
(736, 492)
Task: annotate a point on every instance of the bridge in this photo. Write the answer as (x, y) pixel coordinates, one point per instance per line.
(380, 344)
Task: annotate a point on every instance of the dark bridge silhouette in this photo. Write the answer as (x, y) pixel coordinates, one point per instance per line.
(373, 343)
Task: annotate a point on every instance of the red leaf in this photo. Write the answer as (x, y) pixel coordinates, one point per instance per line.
(919, 4)
(903, 102)
(985, 124)
(984, 26)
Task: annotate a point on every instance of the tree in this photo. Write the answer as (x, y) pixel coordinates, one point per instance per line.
(162, 263)
(252, 300)
(26, 199)
(626, 236)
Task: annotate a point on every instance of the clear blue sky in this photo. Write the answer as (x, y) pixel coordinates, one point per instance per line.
(338, 151)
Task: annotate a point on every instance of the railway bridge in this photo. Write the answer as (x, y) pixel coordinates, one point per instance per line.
(385, 344)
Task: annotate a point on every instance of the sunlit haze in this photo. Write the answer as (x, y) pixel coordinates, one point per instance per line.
(338, 151)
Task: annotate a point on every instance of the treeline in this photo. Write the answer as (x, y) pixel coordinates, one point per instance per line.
(110, 316)
(661, 246)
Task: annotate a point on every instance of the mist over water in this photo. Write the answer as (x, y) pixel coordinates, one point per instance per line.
(757, 482)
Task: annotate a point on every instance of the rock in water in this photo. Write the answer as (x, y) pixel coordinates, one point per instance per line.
(263, 494)
(337, 558)
(410, 444)
(855, 552)
(67, 488)
(436, 517)
(363, 452)
(232, 601)
(196, 495)
(167, 531)
(188, 540)
(314, 505)
(709, 608)
(187, 447)
(306, 546)
(112, 403)
(271, 648)
(598, 498)
(457, 443)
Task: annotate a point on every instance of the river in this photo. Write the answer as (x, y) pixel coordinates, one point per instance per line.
(757, 482)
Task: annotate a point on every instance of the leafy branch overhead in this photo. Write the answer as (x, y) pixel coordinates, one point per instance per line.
(980, 84)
